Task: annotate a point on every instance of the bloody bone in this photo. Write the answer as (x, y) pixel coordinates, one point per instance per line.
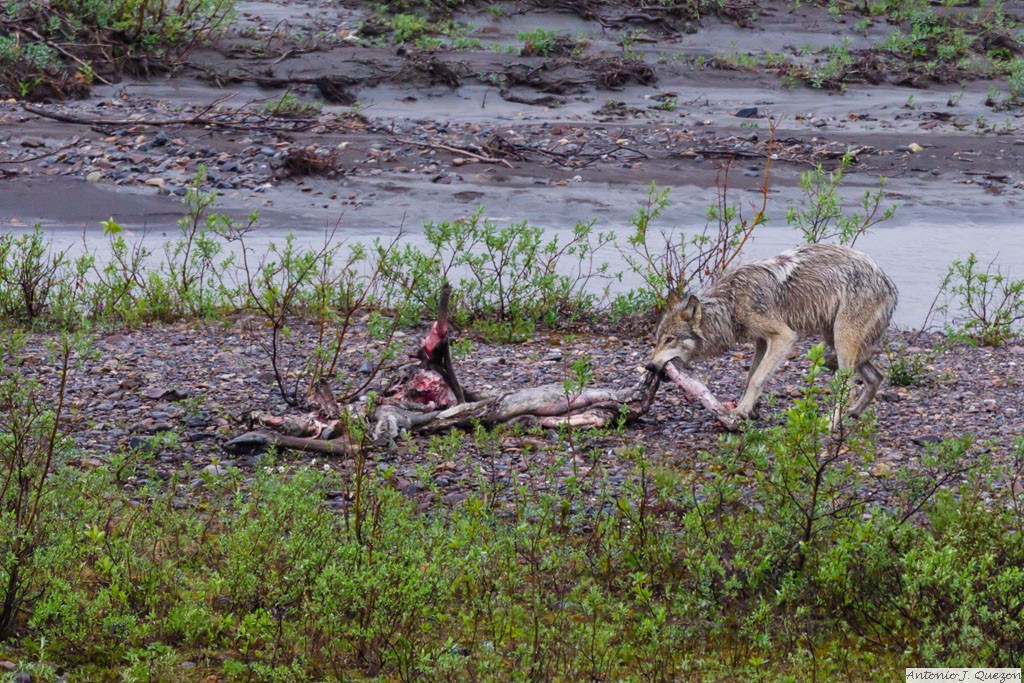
(696, 389)
(435, 352)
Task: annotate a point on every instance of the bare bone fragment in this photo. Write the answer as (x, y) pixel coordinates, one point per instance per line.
(695, 388)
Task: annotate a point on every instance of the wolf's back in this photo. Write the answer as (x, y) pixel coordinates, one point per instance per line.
(812, 289)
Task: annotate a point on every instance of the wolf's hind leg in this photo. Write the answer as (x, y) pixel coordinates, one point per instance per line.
(854, 355)
(872, 380)
(831, 359)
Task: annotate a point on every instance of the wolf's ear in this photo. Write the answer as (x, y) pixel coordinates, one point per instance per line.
(672, 300)
(691, 310)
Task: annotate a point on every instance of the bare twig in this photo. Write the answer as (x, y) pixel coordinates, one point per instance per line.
(455, 150)
(29, 30)
(759, 217)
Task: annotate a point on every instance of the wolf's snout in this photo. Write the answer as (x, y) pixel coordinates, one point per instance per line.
(652, 367)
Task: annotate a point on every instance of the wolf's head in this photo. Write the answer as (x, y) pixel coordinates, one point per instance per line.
(678, 335)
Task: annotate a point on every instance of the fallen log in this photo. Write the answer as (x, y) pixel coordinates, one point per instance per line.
(549, 406)
(256, 442)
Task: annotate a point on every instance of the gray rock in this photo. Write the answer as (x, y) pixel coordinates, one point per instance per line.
(197, 421)
(152, 426)
(195, 437)
(157, 393)
(454, 498)
(142, 444)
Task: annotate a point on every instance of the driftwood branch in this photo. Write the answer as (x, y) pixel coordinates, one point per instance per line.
(695, 389)
(198, 119)
(548, 406)
(262, 441)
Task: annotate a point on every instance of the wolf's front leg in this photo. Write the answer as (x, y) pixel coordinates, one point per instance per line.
(777, 347)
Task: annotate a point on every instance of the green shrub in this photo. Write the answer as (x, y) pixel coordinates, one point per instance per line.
(288, 106)
(98, 37)
(406, 28)
(510, 278)
(989, 302)
(538, 43)
(822, 217)
(33, 445)
(29, 271)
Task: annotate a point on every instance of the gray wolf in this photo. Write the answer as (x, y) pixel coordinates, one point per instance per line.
(817, 289)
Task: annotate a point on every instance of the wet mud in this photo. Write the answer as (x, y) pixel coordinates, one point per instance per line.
(406, 135)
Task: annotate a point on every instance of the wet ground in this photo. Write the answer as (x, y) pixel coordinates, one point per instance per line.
(196, 382)
(416, 136)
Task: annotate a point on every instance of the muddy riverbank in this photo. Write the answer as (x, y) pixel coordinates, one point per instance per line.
(397, 136)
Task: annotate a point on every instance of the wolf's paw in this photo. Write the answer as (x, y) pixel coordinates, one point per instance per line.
(732, 420)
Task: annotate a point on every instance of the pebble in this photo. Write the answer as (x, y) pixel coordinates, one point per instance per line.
(454, 498)
(881, 469)
(152, 426)
(93, 177)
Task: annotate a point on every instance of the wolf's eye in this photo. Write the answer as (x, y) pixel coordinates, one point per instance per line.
(668, 340)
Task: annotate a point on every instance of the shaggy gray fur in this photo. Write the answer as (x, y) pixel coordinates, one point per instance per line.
(820, 289)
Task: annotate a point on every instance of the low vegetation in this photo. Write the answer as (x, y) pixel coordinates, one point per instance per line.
(57, 49)
(773, 565)
(988, 304)
(927, 42)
